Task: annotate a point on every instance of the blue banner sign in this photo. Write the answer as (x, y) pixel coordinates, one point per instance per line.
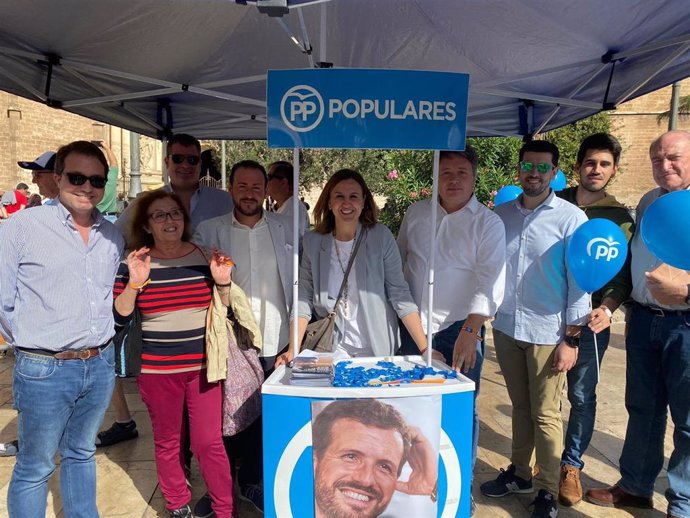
(366, 108)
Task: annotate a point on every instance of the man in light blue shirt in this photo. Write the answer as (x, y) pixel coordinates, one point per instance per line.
(57, 268)
(537, 327)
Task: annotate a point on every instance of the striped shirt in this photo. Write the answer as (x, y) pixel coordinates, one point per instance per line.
(173, 313)
(56, 291)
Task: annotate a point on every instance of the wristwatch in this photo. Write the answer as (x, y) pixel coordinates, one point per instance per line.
(572, 341)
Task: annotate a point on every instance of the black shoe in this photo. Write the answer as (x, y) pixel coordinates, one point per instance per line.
(182, 512)
(254, 494)
(545, 505)
(203, 508)
(507, 482)
(117, 433)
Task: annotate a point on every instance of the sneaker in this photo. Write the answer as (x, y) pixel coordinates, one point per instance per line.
(253, 493)
(569, 488)
(182, 512)
(117, 433)
(545, 505)
(9, 449)
(203, 508)
(507, 482)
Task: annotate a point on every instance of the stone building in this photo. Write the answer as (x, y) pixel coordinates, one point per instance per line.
(27, 129)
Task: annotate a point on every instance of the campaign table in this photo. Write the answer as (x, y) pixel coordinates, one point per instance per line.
(287, 414)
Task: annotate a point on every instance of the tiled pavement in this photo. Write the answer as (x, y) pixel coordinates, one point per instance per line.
(128, 488)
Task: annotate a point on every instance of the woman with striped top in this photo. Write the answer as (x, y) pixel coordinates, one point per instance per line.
(170, 281)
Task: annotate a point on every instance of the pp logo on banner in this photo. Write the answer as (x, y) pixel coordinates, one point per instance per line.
(302, 108)
(604, 249)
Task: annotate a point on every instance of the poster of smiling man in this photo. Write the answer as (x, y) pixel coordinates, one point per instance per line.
(376, 458)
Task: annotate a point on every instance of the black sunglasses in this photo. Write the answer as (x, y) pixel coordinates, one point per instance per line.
(191, 159)
(97, 182)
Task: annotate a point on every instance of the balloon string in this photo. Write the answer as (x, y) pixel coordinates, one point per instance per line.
(596, 345)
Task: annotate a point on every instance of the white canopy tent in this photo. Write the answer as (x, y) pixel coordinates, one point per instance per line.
(164, 66)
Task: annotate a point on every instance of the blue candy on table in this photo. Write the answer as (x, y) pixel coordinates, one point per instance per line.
(384, 373)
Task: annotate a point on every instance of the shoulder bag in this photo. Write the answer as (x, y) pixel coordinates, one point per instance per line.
(319, 334)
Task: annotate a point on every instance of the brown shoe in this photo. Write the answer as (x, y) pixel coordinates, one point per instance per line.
(569, 488)
(614, 496)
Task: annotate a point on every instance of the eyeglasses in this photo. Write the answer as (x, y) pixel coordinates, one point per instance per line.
(191, 159)
(97, 182)
(528, 167)
(160, 216)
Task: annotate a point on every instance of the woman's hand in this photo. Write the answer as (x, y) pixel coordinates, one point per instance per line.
(284, 358)
(221, 267)
(139, 266)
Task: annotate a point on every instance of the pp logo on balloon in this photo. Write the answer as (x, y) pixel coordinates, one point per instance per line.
(604, 248)
(302, 108)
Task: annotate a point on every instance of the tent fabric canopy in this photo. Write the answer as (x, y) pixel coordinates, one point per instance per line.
(165, 66)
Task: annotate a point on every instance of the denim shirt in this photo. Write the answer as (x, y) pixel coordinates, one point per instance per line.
(56, 292)
(541, 295)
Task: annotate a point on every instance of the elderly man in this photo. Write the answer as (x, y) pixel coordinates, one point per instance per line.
(183, 163)
(42, 170)
(360, 449)
(657, 357)
(279, 188)
(537, 328)
(61, 333)
(596, 165)
(469, 270)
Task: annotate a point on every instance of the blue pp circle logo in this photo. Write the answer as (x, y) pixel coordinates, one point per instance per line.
(301, 108)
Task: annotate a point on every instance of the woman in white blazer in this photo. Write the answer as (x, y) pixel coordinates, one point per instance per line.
(375, 293)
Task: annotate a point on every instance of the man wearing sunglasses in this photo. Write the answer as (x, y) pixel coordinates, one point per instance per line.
(596, 165)
(57, 269)
(42, 174)
(537, 327)
(183, 163)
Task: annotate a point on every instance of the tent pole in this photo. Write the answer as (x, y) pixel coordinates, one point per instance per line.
(223, 166)
(432, 256)
(295, 250)
(134, 172)
(673, 114)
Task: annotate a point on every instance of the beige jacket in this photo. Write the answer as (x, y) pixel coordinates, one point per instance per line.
(218, 326)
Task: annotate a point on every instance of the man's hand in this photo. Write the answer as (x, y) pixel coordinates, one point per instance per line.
(284, 358)
(424, 464)
(464, 352)
(668, 285)
(598, 320)
(564, 358)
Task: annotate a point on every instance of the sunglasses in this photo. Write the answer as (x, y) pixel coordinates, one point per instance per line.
(97, 182)
(191, 159)
(160, 216)
(528, 167)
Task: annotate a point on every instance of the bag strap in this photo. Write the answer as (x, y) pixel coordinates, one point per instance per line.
(349, 267)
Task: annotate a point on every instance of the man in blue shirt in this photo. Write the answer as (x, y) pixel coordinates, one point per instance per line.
(57, 268)
(537, 326)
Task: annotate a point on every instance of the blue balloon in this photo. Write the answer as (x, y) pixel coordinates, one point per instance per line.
(507, 193)
(665, 229)
(596, 252)
(559, 183)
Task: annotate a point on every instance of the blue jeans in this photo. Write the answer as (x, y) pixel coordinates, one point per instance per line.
(657, 377)
(444, 342)
(582, 384)
(61, 404)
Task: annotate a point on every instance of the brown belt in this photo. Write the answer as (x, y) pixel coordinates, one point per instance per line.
(80, 354)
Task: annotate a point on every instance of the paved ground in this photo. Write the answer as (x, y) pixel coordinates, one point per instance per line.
(128, 488)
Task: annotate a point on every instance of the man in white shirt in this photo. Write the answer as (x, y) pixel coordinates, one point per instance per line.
(469, 269)
(260, 244)
(279, 188)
